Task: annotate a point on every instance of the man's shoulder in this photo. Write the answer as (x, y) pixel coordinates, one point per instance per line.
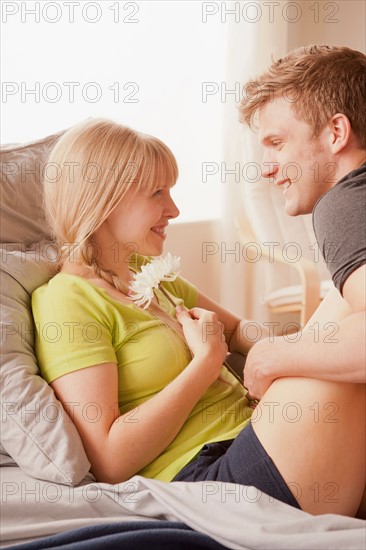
(354, 179)
(339, 223)
(349, 188)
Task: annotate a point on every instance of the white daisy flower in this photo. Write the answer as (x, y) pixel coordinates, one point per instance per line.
(162, 268)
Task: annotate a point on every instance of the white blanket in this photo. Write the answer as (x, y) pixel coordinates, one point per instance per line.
(234, 515)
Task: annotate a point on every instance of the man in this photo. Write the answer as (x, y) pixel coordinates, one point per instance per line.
(310, 109)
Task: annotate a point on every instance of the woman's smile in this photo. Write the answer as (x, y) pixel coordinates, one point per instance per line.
(160, 230)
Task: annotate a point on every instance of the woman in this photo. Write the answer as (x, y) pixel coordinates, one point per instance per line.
(146, 398)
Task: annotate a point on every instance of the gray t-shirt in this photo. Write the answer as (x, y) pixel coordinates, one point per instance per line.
(339, 221)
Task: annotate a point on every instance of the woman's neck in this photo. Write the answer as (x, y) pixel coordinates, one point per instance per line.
(123, 271)
(86, 272)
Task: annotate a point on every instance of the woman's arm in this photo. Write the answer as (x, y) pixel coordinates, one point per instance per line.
(118, 446)
(240, 334)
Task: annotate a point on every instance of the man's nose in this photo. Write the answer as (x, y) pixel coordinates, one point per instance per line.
(269, 168)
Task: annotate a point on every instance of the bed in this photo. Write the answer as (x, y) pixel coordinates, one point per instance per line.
(49, 499)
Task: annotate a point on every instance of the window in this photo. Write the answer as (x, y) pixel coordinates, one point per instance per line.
(156, 66)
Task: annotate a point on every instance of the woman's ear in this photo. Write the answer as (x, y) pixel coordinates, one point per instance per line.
(340, 132)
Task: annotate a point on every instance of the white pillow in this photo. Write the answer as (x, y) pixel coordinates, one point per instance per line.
(21, 207)
(35, 430)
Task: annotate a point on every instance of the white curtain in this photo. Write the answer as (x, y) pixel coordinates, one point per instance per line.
(250, 46)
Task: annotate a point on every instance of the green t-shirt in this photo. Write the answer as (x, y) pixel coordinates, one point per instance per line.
(78, 324)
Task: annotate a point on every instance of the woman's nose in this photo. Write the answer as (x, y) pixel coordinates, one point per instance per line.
(173, 210)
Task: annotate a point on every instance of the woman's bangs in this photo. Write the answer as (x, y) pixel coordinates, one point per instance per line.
(159, 167)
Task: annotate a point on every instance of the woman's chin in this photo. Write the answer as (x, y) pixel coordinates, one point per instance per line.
(151, 250)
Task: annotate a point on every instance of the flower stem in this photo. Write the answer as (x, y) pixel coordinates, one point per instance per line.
(167, 295)
(225, 363)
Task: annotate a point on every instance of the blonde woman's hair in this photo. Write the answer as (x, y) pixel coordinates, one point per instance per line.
(93, 165)
(319, 81)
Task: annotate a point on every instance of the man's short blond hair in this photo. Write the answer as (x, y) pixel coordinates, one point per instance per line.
(319, 81)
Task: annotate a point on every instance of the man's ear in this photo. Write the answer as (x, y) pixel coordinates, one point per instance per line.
(339, 132)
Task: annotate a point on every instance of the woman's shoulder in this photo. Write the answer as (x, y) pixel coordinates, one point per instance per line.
(63, 280)
(65, 286)
(70, 298)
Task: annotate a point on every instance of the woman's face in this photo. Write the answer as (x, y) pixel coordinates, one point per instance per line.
(139, 222)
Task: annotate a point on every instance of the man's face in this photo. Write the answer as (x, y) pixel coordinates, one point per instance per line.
(303, 166)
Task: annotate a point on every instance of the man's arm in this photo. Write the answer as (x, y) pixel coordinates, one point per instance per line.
(333, 308)
(330, 347)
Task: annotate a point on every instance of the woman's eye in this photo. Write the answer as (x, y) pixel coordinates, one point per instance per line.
(157, 193)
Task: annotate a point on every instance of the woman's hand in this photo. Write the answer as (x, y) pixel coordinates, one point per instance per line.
(204, 335)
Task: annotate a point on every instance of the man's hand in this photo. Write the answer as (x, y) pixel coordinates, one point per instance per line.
(259, 371)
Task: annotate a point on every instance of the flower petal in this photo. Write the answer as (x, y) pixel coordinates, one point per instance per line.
(162, 268)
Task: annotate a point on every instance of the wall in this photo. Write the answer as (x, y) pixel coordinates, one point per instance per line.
(341, 23)
(196, 244)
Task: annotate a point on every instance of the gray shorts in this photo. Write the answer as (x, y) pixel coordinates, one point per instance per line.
(241, 460)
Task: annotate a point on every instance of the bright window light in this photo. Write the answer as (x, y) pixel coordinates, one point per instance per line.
(156, 66)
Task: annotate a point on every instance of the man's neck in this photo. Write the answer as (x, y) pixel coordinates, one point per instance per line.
(349, 162)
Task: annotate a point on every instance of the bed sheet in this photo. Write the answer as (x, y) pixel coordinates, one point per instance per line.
(233, 515)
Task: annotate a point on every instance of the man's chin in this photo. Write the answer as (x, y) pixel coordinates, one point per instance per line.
(296, 210)
(291, 210)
